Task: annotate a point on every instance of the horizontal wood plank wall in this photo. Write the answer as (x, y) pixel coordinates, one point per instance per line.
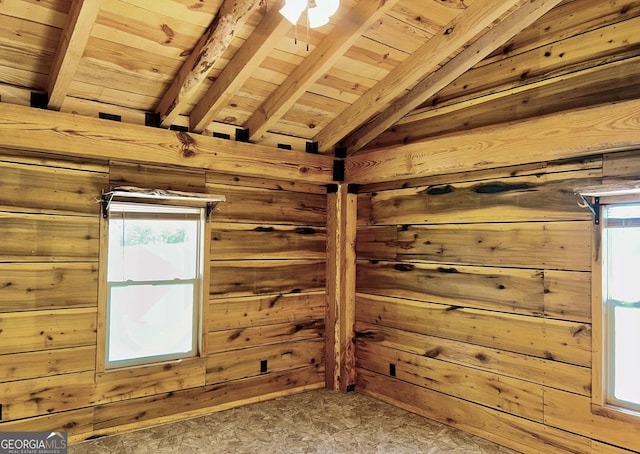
(264, 318)
(473, 302)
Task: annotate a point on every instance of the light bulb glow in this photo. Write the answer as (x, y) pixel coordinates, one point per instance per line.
(318, 11)
(292, 10)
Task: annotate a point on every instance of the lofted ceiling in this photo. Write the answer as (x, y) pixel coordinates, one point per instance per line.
(381, 73)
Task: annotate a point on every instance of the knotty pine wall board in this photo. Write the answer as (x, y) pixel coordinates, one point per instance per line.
(41, 286)
(572, 412)
(246, 362)
(164, 407)
(507, 199)
(567, 377)
(235, 313)
(256, 336)
(559, 340)
(564, 245)
(236, 241)
(425, 244)
(267, 206)
(501, 427)
(255, 277)
(517, 397)
(49, 269)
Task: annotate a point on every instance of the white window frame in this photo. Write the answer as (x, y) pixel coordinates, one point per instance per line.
(608, 317)
(205, 203)
(595, 198)
(156, 212)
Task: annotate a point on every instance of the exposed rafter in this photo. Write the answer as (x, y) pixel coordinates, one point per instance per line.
(213, 43)
(460, 31)
(270, 30)
(323, 57)
(73, 41)
(499, 34)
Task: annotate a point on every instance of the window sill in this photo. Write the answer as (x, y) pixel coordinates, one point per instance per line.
(616, 413)
(176, 367)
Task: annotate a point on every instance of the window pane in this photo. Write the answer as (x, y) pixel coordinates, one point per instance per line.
(627, 353)
(150, 320)
(623, 246)
(152, 249)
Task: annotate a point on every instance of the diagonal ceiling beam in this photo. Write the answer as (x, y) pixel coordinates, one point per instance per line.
(323, 57)
(262, 41)
(428, 58)
(75, 35)
(499, 34)
(213, 43)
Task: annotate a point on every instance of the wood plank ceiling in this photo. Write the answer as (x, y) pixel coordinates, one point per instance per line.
(383, 72)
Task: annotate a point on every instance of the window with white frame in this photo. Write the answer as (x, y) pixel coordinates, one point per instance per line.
(621, 304)
(154, 283)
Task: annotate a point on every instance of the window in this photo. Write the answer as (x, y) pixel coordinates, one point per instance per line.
(154, 283)
(621, 305)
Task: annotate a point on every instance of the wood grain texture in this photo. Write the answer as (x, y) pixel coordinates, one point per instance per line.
(35, 286)
(499, 289)
(38, 188)
(35, 238)
(262, 277)
(22, 366)
(264, 206)
(255, 336)
(540, 245)
(237, 72)
(44, 330)
(346, 32)
(505, 29)
(508, 430)
(574, 413)
(211, 46)
(72, 135)
(567, 377)
(75, 35)
(142, 412)
(427, 58)
(77, 423)
(237, 364)
(601, 129)
(237, 313)
(510, 395)
(340, 288)
(517, 199)
(559, 340)
(250, 241)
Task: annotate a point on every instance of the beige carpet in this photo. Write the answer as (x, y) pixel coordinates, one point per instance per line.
(313, 422)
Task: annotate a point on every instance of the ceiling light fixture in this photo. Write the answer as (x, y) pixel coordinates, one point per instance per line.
(318, 11)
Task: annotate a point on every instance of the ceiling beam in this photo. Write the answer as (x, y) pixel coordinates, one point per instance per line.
(261, 42)
(25, 128)
(499, 34)
(321, 59)
(211, 46)
(75, 35)
(428, 58)
(569, 134)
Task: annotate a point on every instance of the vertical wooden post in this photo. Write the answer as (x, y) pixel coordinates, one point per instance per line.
(341, 287)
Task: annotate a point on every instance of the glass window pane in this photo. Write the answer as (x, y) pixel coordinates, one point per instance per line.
(150, 320)
(623, 247)
(147, 250)
(627, 353)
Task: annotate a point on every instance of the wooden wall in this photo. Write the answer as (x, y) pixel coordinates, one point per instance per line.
(473, 303)
(266, 298)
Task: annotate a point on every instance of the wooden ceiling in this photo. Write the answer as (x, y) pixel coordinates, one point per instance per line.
(381, 73)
